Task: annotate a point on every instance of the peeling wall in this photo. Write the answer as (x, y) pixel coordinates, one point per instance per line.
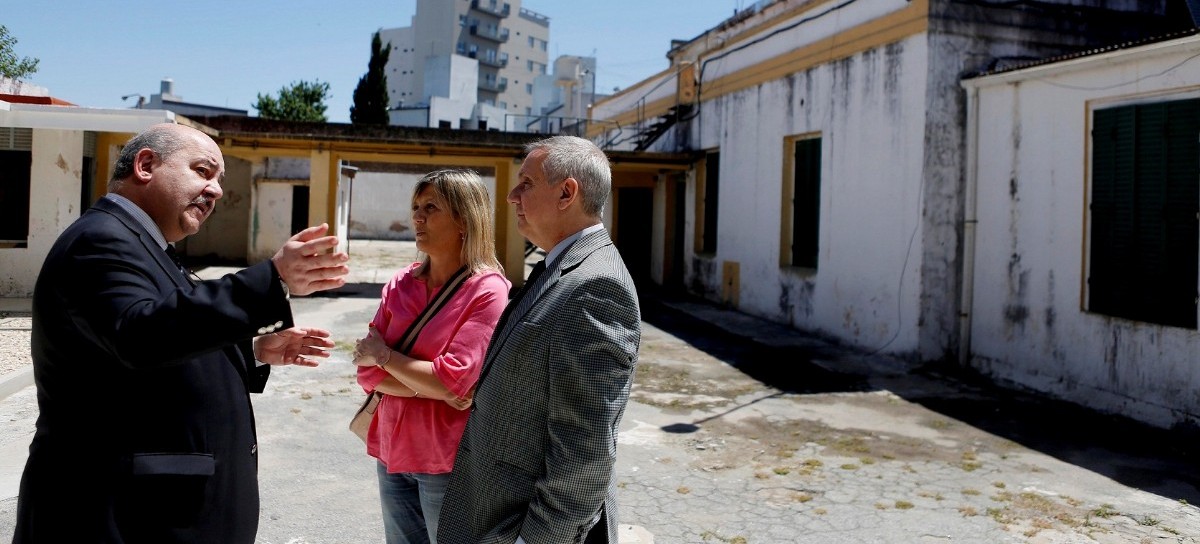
(1028, 323)
(271, 219)
(869, 112)
(56, 179)
(381, 204)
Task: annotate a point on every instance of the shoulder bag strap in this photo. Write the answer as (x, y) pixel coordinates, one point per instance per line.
(410, 336)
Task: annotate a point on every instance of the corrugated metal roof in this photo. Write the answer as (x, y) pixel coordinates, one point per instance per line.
(26, 99)
(1021, 65)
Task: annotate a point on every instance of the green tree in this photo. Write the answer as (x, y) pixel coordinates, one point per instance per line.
(301, 101)
(371, 96)
(10, 65)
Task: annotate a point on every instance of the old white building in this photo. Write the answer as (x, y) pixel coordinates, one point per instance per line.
(831, 138)
(1083, 187)
(53, 159)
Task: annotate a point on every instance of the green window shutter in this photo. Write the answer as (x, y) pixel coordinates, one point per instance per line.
(1146, 173)
(1181, 205)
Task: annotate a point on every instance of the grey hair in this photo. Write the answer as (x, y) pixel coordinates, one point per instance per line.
(467, 199)
(575, 157)
(160, 139)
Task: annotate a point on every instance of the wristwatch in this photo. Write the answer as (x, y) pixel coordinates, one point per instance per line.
(287, 293)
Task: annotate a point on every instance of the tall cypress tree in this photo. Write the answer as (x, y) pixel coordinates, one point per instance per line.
(371, 96)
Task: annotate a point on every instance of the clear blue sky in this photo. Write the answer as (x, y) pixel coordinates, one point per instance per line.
(225, 52)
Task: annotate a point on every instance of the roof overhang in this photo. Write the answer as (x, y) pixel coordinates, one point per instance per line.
(299, 137)
(41, 116)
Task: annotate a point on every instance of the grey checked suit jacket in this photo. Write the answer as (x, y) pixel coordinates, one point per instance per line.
(537, 455)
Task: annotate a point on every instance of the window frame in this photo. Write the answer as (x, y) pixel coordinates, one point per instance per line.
(707, 188)
(790, 205)
(1143, 211)
(16, 144)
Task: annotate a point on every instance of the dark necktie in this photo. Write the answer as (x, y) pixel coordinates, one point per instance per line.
(508, 310)
(533, 276)
(179, 263)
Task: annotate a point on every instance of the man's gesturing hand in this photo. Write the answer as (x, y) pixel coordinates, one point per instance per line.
(306, 264)
(294, 346)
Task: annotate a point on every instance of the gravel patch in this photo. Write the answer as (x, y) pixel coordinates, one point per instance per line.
(14, 343)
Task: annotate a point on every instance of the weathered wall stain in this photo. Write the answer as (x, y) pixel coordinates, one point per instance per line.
(704, 277)
(1016, 310)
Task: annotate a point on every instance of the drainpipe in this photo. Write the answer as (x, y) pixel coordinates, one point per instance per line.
(968, 231)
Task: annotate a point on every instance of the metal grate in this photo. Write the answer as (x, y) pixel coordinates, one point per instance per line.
(16, 139)
(89, 144)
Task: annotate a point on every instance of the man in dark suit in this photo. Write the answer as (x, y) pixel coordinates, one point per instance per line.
(536, 461)
(145, 431)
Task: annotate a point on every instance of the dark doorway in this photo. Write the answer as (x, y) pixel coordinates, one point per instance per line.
(636, 207)
(88, 184)
(674, 279)
(299, 208)
(15, 167)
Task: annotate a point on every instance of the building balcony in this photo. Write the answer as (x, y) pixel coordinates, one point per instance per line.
(493, 86)
(494, 63)
(498, 37)
(491, 9)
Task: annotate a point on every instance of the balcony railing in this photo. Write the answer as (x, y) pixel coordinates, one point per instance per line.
(495, 63)
(500, 12)
(499, 37)
(493, 86)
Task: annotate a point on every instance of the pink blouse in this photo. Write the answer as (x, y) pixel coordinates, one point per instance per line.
(417, 434)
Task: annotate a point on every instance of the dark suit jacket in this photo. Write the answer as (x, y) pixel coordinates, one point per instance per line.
(145, 431)
(537, 455)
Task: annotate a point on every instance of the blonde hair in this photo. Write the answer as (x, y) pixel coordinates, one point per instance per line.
(467, 198)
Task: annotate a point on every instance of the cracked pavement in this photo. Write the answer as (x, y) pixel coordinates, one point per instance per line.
(742, 431)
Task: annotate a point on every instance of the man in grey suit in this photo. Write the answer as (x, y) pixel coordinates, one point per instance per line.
(535, 464)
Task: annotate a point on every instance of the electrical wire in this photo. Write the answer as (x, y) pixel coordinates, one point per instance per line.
(1122, 84)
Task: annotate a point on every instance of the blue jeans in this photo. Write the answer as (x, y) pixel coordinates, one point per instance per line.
(411, 505)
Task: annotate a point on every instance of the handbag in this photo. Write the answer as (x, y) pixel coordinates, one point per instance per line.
(361, 422)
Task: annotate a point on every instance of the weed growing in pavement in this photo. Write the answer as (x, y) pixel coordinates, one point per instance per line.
(1147, 521)
(930, 495)
(1001, 515)
(709, 535)
(1105, 511)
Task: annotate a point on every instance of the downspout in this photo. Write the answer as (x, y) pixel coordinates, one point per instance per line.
(969, 221)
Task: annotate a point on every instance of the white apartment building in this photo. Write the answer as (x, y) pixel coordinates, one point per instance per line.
(466, 64)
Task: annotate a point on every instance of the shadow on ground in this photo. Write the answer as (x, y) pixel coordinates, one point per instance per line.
(1154, 460)
(352, 290)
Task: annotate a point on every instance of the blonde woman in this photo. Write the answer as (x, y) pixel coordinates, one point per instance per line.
(420, 420)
